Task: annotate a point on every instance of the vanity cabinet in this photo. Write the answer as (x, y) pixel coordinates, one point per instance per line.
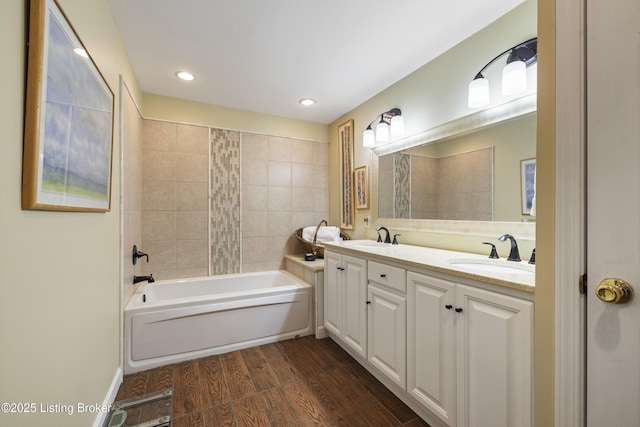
(345, 313)
(469, 353)
(387, 320)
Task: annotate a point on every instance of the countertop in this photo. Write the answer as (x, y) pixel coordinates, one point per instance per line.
(514, 275)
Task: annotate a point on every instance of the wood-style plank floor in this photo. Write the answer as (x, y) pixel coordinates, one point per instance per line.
(299, 382)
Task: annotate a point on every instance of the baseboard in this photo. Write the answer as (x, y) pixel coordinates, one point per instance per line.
(109, 398)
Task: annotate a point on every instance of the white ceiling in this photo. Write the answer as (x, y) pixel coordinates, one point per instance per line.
(265, 55)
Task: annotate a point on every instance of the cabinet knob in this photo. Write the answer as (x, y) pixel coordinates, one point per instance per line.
(448, 306)
(458, 310)
(368, 302)
(383, 275)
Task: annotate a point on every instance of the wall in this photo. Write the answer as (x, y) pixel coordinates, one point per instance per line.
(262, 188)
(59, 271)
(175, 165)
(131, 133)
(285, 187)
(431, 96)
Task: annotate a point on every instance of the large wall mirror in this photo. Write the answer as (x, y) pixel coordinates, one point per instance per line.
(468, 171)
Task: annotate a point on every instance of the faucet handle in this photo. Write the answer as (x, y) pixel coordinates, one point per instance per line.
(494, 253)
(395, 239)
(379, 238)
(532, 260)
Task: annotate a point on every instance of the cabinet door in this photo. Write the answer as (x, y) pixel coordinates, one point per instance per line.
(333, 293)
(354, 306)
(494, 359)
(431, 344)
(387, 333)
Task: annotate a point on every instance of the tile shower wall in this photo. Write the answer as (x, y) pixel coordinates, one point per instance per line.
(285, 186)
(225, 202)
(263, 188)
(175, 199)
(132, 189)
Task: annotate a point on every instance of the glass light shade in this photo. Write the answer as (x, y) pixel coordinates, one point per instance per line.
(368, 138)
(397, 126)
(478, 93)
(382, 132)
(514, 78)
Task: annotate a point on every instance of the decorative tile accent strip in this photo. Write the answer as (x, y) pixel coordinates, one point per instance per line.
(225, 202)
(402, 182)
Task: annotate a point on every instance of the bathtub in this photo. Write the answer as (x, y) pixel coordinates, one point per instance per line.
(175, 320)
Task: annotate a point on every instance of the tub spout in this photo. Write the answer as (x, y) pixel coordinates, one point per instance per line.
(138, 279)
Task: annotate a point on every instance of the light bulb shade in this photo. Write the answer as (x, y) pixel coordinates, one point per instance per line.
(368, 138)
(514, 78)
(478, 93)
(382, 132)
(397, 126)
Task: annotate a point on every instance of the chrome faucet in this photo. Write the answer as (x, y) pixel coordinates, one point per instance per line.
(138, 279)
(388, 238)
(514, 255)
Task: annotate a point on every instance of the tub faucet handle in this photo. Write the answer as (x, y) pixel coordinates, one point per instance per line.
(138, 254)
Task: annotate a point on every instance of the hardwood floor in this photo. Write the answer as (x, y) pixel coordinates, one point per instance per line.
(299, 382)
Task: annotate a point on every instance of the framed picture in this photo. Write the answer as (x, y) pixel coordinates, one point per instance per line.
(68, 138)
(345, 131)
(527, 184)
(361, 181)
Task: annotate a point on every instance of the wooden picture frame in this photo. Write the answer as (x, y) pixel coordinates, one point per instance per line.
(527, 184)
(361, 182)
(68, 139)
(345, 132)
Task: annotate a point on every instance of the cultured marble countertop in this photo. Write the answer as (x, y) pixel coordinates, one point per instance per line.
(510, 274)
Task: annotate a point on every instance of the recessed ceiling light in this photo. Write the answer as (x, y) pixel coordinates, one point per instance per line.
(307, 101)
(185, 75)
(81, 52)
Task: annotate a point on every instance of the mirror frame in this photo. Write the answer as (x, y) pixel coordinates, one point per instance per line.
(458, 127)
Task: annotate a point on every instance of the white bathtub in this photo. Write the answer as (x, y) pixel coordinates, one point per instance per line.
(174, 320)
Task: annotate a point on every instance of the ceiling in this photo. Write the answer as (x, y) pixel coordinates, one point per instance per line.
(265, 55)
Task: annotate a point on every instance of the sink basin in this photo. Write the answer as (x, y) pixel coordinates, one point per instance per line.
(494, 266)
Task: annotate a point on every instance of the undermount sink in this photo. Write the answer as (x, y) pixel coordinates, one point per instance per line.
(494, 266)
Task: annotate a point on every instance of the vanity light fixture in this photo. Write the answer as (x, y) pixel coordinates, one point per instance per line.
(184, 75)
(307, 101)
(514, 74)
(390, 125)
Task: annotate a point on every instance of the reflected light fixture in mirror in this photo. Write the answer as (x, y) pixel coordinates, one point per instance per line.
(391, 125)
(514, 74)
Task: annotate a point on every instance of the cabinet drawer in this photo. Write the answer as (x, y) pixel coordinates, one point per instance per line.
(392, 277)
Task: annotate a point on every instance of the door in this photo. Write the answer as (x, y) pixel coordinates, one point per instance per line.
(431, 344)
(354, 306)
(495, 359)
(387, 337)
(613, 210)
(333, 292)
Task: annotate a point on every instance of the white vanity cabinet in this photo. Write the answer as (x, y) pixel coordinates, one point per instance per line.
(345, 296)
(387, 320)
(469, 353)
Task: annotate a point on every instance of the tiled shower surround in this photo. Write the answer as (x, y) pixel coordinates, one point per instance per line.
(217, 201)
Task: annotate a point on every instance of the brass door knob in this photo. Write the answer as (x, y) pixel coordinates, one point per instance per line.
(616, 291)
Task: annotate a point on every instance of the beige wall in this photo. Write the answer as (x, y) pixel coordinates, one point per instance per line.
(59, 271)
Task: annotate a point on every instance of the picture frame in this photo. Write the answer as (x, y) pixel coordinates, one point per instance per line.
(68, 136)
(527, 184)
(361, 182)
(345, 135)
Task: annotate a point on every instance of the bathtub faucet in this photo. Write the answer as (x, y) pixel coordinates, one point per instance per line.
(138, 279)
